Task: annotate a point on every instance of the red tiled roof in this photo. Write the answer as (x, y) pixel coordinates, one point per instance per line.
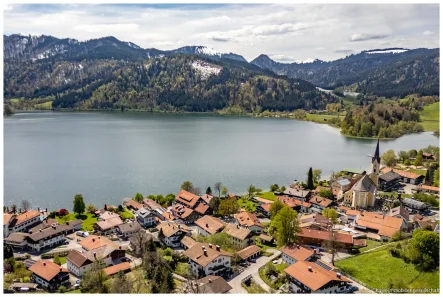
(7, 217)
(407, 174)
(248, 251)
(247, 219)
(324, 235)
(386, 225)
(210, 224)
(46, 269)
(187, 198)
(291, 202)
(201, 208)
(134, 204)
(297, 252)
(430, 188)
(324, 202)
(266, 207)
(124, 266)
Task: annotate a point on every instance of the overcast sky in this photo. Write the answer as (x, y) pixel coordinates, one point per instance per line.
(285, 32)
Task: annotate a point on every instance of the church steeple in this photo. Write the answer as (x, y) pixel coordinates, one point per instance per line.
(377, 152)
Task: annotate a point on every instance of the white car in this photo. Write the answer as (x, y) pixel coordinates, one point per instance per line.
(275, 262)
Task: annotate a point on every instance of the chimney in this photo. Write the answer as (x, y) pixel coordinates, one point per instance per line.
(67, 223)
(210, 245)
(95, 255)
(30, 231)
(54, 227)
(205, 252)
(61, 269)
(203, 247)
(207, 225)
(210, 280)
(44, 263)
(310, 268)
(217, 247)
(99, 237)
(93, 240)
(298, 246)
(40, 230)
(120, 247)
(46, 209)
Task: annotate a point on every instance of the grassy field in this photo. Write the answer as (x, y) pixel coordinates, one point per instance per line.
(126, 214)
(267, 195)
(320, 118)
(182, 269)
(378, 267)
(254, 289)
(247, 204)
(88, 220)
(45, 105)
(370, 245)
(430, 116)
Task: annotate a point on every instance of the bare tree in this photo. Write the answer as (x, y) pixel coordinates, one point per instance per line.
(121, 285)
(217, 187)
(25, 205)
(333, 244)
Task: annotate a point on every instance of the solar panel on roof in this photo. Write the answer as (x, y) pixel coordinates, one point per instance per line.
(323, 265)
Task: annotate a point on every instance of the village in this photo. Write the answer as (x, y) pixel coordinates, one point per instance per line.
(289, 240)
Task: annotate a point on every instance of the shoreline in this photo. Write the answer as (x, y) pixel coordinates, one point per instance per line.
(251, 115)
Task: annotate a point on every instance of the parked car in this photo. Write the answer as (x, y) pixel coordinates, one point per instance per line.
(352, 289)
(275, 262)
(252, 261)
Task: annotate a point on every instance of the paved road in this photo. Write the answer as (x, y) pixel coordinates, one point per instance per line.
(235, 283)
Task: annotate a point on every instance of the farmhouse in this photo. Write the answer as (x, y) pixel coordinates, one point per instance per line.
(49, 275)
(240, 237)
(249, 221)
(171, 233)
(208, 259)
(208, 225)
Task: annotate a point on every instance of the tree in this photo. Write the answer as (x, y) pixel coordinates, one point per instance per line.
(310, 181)
(208, 191)
(403, 156)
(428, 244)
(91, 208)
(273, 188)
(224, 191)
(79, 204)
(14, 208)
(217, 187)
(276, 207)
(326, 194)
(316, 175)
(437, 177)
(389, 158)
(7, 251)
(121, 284)
(187, 186)
(94, 279)
(412, 153)
(419, 158)
(332, 243)
(428, 177)
(282, 189)
(138, 197)
(228, 207)
(25, 205)
(57, 260)
(330, 213)
(286, 226)
(252, 190)
(214, 204)
(195, 191)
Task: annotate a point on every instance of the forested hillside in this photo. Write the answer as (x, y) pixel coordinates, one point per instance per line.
(178, 82)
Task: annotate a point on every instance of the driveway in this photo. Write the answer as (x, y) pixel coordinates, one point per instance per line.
(235, 283)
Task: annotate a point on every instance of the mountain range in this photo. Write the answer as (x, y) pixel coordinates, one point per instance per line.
(45, 67)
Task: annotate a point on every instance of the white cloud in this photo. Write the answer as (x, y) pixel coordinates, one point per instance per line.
(291, 31)
(427, 33)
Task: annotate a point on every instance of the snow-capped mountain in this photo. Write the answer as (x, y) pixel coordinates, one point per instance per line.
(387, 51)
(208, 52)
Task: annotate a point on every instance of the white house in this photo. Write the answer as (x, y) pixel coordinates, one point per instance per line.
(172, 233)
(146, 217)
(207, 259)
(208, 225)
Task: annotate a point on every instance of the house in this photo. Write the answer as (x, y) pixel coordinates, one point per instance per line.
(49, 275)
(249, 221)
(108, 226)
(362, 194)
(429, 189)
(207, 198)
(61, 212)
(213, 284)
(23, 221)
(414, 204)
(94, 248)
(291, 254)
(172, 233)
(187, 242)
(107, 215)
(23, 287)
(207, 260)
(315, 277)
(265, 209)
(185, 214)
(240, 237)
(389, 180)
(314, 221)
(17, 240)
(320, 203)
(298, 205)
(46, 223)
(250, 252)
(132, 204)
(410, 177)
(146, 217)
(208, 225)
(400, 212)
(385, 226)
(193, 202)
(128, 229)
(122, 267)
(7, 220)
(265, 239)
(262, 201)
(340, 186)
(299, 194)
(320, 238)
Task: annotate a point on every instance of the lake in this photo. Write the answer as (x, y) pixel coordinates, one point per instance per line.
(51, 156)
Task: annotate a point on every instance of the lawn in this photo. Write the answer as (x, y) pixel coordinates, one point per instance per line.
(249, 205)
(378, 267)
(182, 269)
(45, 105)
(430, 115)
(370, 245)
(78, 291)
(88, 220)
(320, 118)
(277, 283)
(126, 214)
(254, 288)
(267, 195)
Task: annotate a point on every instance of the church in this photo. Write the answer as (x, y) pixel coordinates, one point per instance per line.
(362, 194)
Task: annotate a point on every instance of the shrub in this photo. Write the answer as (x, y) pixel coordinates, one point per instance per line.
(62, 289)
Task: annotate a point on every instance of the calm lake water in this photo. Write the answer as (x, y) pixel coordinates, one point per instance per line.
(49, 157)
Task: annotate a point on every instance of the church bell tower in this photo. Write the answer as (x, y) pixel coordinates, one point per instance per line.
(375, 170)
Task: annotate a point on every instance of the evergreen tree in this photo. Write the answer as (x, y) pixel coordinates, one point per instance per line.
(310, 181)
(208, 191)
